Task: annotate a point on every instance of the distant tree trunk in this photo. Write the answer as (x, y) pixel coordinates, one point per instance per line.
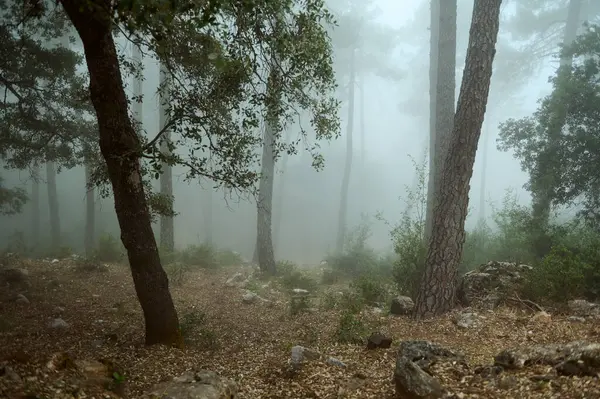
(207, 208)
(486, 133)
(90, 213)
(363, 149)
(119, 145)
(53, 205)
(544, 180)
(167, 234)
(442, 90)
(35, 208)
(279, 196)
(437, 291)
(341, 233)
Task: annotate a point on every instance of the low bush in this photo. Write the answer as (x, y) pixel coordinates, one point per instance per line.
(109, 249)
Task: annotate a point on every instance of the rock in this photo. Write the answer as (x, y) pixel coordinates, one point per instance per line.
(489, 284)
(401, 305)
(425, 353)
(15, 276)
(196, 385)
(10, 374)
(250, 297)
(583, 308)
(466, 319)
(20, 298)
(574, 358)
(301, 353)
(576, 319)
(59, 323)
(378, 340)
(300, 291)
(235, 280)
(335, 362)
(413, 383)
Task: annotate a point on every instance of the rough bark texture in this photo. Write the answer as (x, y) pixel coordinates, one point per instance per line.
(120, 146)
(35, 208)
(545, 179)
(341, 233)
(443, 91)
(438, 285)
(167, 231)
(264, 240)
(90, 214)
(53, 206)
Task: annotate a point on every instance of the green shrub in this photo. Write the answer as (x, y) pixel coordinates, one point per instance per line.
(109, 249)
(285, 267)
(298, 279)
(370, 289)
(176, 272)
(559, 277)
(351, 329)
(201, 256)
(194, 329)
(299, 303)
(330, 277)
(226, 257)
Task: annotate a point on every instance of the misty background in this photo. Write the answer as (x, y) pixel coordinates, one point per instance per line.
(395, 70)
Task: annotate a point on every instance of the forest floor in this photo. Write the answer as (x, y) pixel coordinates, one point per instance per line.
(249, 343)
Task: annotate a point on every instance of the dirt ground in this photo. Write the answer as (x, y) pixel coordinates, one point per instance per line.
(249, 343)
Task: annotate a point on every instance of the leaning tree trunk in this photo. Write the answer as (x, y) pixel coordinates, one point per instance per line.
(35, 209)
(341, 233)
(120, 146)
(53, 206)
(545, 179)
(438, 285)
(167, 234)
(443, 90)
(90, 212)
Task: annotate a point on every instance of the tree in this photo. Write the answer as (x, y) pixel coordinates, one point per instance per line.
(437, 290)
(574, 151)
(442, 89)
(167, 233)
(11, 199)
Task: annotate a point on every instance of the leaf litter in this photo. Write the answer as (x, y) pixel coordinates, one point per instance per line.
(249, 343)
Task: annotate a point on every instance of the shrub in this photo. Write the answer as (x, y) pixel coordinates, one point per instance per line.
(330, 277)
(109, 249)
(559, 277)
(372, 290)
(350, 330)
(298, 279)
(226, 257)
(194, 329)
(201, 256)
(176, 272)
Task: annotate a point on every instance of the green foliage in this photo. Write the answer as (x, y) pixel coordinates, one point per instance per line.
(226, 257)
(109, 249)
(202, 256)
(176, 272)
(346, 300)
(559, 277)
(292, 278)
(11, 199)
(372, 290)
(16, 244)
(299, 303)
(85, 265)
(194, 329)
(351, 329)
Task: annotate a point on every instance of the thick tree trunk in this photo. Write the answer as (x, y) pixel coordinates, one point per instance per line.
(443, 89)
(437, 291)
(90, 213)
(341, 233)
(53, 206)
(35, 209)
(264, 240)
(545, 179)
(167, 233)
(120, 146)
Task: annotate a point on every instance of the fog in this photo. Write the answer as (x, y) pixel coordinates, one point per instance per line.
(396, 127)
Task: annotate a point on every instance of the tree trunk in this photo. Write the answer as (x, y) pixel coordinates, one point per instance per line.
(167, 234)
(280, 194)
(443, 90)
(35, 209)
(120, 146)
(545, 178)
(437, 291)
(341, 233)
(264, 240)
(90, 213)
(53, 206)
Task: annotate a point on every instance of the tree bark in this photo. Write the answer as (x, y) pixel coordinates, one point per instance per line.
(90, 213)
(53, 206)
(545, 178)
(264, 239)
(443, 90)
(341, 233)
(167, 233)
(35, 209)
(438, 285)
(120, 147)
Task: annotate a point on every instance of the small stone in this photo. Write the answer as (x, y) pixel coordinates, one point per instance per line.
(378, 340)
(59, 323)
(21, 299)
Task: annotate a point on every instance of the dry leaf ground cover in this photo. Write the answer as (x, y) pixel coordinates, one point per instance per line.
(250, 343)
